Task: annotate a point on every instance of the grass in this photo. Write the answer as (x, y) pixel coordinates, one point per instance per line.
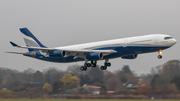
(79, 100)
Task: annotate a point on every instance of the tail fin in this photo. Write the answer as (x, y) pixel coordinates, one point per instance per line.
(30, 39)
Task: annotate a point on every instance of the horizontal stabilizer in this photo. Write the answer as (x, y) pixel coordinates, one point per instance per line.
(13, 44)
(17, 53)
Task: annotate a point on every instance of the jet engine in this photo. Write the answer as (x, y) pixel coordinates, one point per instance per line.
(134, 56)
(94, 56)
(57, 54)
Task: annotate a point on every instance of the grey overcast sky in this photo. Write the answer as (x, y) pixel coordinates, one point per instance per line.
(68, 22)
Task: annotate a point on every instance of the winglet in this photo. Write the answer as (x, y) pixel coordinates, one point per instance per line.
(13, 44)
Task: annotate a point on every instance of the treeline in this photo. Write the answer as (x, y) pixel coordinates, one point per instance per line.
(13, 79)
(164, 79)
(56, 81)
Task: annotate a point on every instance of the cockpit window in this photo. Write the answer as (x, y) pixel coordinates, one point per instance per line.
(166, 38)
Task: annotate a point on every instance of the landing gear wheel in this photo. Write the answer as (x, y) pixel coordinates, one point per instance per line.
(107, 64)
(85, 68)
(82, 68)
(87, 65)
(93, 65)
(103, 67)
(159, 56)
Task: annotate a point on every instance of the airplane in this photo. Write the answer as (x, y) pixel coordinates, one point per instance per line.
(126, 48)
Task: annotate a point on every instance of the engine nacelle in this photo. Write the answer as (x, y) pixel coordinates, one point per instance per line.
(134, 56)
(57, 54)
(94, 56)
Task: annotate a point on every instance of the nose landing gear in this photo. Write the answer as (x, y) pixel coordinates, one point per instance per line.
(160, 54)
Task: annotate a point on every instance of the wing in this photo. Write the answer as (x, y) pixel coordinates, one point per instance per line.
(69, 52)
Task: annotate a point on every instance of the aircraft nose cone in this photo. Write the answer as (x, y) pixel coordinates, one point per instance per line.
(174, 41)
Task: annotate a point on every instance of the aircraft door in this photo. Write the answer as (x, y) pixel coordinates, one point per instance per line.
(81, 47)
(156, 39)
(125, 43)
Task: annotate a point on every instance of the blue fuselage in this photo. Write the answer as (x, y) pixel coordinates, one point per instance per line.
(121, 51)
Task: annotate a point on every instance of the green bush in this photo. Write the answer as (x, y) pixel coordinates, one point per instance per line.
(6, 92)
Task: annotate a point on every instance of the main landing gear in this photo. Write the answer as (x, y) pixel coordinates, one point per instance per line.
(106, 64)
(94, 64)
(160, 54)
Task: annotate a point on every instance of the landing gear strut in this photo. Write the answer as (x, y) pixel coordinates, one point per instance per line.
(160, 54)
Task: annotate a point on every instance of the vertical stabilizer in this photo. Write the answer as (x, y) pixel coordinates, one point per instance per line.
(30, 39)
